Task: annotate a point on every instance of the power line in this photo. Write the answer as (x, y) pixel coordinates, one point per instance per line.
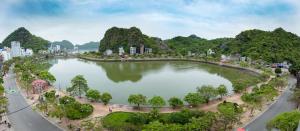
(10, 113)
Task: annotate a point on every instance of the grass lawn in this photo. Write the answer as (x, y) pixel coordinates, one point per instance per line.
(116, 119)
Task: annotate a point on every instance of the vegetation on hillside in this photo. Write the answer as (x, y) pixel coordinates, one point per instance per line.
(89, 46)
(64, 44)
(26, 39)
(121, 37)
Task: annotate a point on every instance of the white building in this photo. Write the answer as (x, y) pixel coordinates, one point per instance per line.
(16, 49)
(210, 52)
(27, 52)
(121, 51)
(108, 52)
(57, 48)
(132, 50)
(148, 50)
(6, 54)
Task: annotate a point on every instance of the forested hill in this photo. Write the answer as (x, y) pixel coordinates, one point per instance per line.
(26, 39)
(64, 44)
(270, 46)
(89, 45)
(193, 43)
(122, 37)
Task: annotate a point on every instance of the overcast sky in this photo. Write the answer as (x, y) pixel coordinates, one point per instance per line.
(82, 21)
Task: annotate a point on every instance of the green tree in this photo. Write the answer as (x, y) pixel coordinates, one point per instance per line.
(229, 113)
(47, 76)
(27, 78)
(203, 123)
(253, 100)
(278, 71)
(208, 92)
(295, 70)
(105, 98)
(175, 102)
(157, 101)
(287, 121)
(57, 111)
(194, 99)
(78, 87)
(222, 91)
(296, 97)
(137, 99)
(93, 95)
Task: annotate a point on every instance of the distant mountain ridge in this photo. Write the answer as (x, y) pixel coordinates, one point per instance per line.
(64, 44)
(89, 45)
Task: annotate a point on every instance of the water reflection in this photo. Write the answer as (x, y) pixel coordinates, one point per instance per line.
(166, 79)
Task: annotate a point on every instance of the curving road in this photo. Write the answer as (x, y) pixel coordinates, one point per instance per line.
(20, 114)
(283, 104)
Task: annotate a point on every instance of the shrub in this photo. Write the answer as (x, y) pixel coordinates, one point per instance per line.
(137, 119)
(278, 71)
(66, 100)
(287, 121)
(76, 110)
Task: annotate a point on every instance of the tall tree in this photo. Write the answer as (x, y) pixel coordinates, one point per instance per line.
(47, 76)
(194, 99)
(229, 113)
(295, 70)
(208, 92)
(175, 102)
(157, 101)
(78, 87)
(253, 100)
(93, 95)
(105, 98)
(222, 91)
(137, 99)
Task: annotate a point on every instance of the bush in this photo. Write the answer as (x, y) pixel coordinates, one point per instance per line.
(77, 110)
(183, 116)
(138, 119)
(278, 71)
(287, 121)
(66, 100)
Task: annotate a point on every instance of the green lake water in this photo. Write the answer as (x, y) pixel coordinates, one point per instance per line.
(151, 78)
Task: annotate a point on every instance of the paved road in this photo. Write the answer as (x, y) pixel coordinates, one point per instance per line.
(26, 119)
(283, 104)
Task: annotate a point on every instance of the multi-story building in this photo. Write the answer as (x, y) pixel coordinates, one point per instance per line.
(121, 51)
(132, 50)
(16, 49)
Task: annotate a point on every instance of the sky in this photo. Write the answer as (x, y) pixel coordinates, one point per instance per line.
(81, 21)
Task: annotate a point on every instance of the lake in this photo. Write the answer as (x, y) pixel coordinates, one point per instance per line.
(161, 78)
